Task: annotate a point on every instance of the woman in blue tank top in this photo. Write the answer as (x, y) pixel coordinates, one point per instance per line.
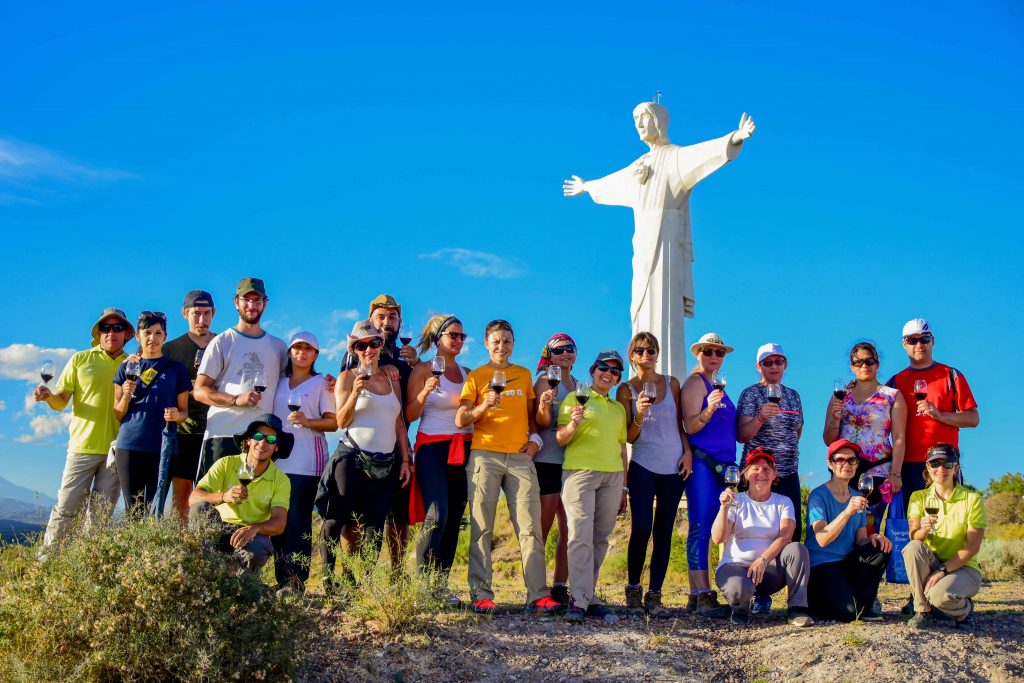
(709, 417)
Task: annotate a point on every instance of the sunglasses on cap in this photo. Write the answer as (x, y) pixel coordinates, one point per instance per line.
(269, 438)
(559, 350)
(944, 464)
(644, 351)
(153, 314)
(707, 353)
(914, 341)
(845, 461)
(870, 362)
(111, 327)
(767, 362)
(604, 367)
(372, 344)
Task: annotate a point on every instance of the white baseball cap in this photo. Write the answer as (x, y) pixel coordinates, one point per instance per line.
(769, 349)
(307, 337)
(916, 326)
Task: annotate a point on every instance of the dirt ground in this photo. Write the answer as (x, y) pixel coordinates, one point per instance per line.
(459, 646)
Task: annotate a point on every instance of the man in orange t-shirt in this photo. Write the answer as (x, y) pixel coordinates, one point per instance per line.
(946, 406)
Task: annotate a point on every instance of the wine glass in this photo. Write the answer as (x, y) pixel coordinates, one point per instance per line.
(920, 389)
(774, 393)
(437, 369)
(259, 382)
(405, 336)
(197, 360)
(582, 396)
(731, 476)
(295, 403)
(718, 381)
(365, 371)
(839, 389)
(47, 371)
(498, 385)
(132, 368)
(866, 484)
(931, 508)
(650, 390)
(246, 472)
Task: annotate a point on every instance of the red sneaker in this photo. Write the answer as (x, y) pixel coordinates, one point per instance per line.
(485, 606)
(545, 605)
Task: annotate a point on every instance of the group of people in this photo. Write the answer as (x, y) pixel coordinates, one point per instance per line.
(252, 413)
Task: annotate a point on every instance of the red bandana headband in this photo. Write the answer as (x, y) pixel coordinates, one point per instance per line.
(545, 353)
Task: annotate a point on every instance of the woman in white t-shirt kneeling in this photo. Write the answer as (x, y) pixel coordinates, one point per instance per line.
(759, 558)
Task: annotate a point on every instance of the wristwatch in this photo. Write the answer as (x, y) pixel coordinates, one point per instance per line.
(942, 568)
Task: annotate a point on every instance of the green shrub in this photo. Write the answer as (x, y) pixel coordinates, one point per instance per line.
(143, 600)
(1000, 559)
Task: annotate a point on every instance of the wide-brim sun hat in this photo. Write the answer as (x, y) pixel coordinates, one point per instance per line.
(709, 339)
(285, 441)
(362, 330)
(112, 312)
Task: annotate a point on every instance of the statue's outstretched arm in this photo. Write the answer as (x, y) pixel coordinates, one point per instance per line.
(576, 186)
(744, 130)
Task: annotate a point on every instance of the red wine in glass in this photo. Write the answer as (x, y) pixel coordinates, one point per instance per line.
(718, 381)
(553, 381)
(436, 371)
(405, 335)
(920, 389)
(245, 481)
(499, 389)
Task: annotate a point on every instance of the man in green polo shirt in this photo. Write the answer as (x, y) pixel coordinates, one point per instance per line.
(249, 513)
(87, 383)
(947, 525)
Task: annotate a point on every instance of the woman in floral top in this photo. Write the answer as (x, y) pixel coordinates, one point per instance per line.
(874, 417)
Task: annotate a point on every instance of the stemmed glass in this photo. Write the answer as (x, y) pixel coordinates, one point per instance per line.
(865, 484)
(197, 360)
(774, 393)
(47, 371)
(582, 396)
(718, 381)
(437, 369)
(365, 372)
(259, 382)
(920, 389)
(132, 368)
(246, 472)
(294, 403)
(498, 385)
(931, 508)
(650, 390)
(553, 376)
(839, 390)
(731, 476)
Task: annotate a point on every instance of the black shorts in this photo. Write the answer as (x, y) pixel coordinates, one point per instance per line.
(215, 448)
(187, 462)
(399, 512)
(549, 475)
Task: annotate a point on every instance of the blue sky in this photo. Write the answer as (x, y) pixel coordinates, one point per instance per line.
(420, 150)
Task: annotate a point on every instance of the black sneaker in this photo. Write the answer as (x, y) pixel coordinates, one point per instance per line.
(574, 614)
(967, 622)
(560, 593)
(921, 620)
(871, 616)
(908, 609)
(740, 617)
(599, 611)
(799, 617)
(762, 604)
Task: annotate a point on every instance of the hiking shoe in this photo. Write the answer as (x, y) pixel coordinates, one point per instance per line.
(967, 622)
(485, 606)
(599, 611)
(921, 620)
(545, 605)
(691, 603)
(560, 593)
(762, 604)
(800, 618)
(634, 599)
(871, 617)
(708, 607)
(739, 616)
(908, 609)
(575, 614)
(653, 606)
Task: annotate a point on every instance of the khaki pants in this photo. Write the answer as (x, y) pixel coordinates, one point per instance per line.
(950, 593)
(85, 476)
(488, 474)
(591, 500)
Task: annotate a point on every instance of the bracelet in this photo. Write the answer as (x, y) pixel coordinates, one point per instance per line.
(637, 424)
(625, 489)
(536, 438)
(764, 561)
(893, 474)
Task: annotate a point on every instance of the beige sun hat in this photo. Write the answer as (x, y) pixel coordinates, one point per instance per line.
(709, 339)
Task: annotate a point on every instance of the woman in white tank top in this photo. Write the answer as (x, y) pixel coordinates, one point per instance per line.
(372, 458)
(441, 448)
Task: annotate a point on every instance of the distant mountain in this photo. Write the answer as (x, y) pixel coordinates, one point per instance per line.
(11, 490)
(18, 511)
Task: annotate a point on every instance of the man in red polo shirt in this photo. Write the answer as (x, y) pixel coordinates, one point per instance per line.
(948, 404)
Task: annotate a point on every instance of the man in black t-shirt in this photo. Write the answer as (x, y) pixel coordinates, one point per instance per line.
(198, 311)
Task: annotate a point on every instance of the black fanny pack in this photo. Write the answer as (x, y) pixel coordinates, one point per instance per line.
(717, 468)
(863, 464)
(375, 465)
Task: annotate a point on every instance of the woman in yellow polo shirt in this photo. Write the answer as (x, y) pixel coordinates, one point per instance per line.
(593, 481)
(505, 440)
(947, 525)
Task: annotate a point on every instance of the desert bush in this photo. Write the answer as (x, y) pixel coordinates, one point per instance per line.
(1006, 507)
(1001, 559)
(141, 600)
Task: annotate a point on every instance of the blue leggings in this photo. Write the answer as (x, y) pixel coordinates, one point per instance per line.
(702, 492)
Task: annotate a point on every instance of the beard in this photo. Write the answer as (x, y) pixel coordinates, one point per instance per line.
(250, 318)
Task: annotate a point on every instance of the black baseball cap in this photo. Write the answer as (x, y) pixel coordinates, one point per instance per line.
(198, 297)
(943, 451)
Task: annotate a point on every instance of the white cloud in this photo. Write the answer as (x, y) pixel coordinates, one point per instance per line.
(28, 170)
(338, 315)
(3, 405)
(44, 426)
(479, 263)
(22, 361)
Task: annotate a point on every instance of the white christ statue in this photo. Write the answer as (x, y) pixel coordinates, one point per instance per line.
(657, 187)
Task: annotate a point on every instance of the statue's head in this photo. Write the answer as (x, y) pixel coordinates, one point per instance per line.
(651, 120)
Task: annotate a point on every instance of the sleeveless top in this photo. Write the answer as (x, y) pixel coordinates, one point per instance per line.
(551, 452)
(869, 425)
(373, 424)
(718, 436)
(659, 447)
(438, 416)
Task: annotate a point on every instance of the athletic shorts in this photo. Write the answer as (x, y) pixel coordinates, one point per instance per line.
(187, 462)
(550, 477)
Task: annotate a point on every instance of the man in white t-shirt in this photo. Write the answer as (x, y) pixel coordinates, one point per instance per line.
(239, 374)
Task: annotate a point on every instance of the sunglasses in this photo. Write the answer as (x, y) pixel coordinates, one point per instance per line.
(604, 367)
(154, 314)
(914, 341)
(269, 438)
(644, 351)
(944, 464)
(111, 327)
(559, 350)
(372, 344)
(707, 353)
(870, 362)
(845, 461)
(767, 363)
(455, 336)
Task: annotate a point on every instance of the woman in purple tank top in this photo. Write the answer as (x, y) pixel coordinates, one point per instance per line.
(709, 417)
